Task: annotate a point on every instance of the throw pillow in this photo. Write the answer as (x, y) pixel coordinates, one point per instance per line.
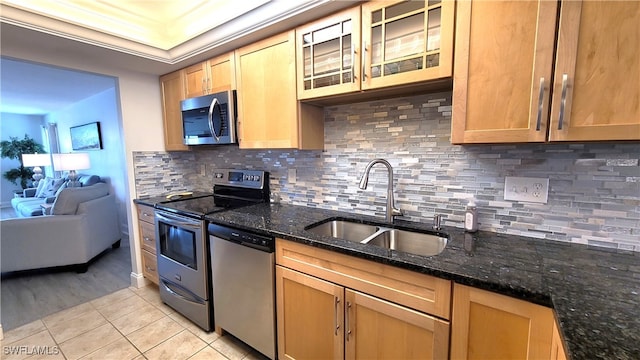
(51, 187)
(41, 184)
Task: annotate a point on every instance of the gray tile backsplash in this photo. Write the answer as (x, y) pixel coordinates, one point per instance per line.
(594, 195)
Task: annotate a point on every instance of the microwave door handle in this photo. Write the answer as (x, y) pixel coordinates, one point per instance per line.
(214, 102)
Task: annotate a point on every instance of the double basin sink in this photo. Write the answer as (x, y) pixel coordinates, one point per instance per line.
(409, 241)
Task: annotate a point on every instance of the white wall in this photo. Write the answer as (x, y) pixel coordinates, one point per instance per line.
(141, 126)
(16, 125)
(109, 161)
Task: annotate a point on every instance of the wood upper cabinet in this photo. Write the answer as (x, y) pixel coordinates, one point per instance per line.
(598, 55)
(502, 71)
(406, 41)
(504, 90)
(269, 116)
(377, 45)
(487, 325)
(328, 55)
(173, 91)
(210, 76)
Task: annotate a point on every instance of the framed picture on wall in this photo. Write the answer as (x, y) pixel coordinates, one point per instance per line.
(86, 137)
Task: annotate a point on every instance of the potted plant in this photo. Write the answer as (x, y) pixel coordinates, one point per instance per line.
(13, 149)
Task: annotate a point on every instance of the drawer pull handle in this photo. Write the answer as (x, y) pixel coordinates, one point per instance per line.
(150, 268)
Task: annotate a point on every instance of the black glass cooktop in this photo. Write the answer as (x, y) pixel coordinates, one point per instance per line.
(193, 206)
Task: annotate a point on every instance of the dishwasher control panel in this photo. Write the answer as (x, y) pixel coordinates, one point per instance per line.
(242, 237)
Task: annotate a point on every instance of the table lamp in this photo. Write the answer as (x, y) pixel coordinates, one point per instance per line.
(36, 160)
(71, 162)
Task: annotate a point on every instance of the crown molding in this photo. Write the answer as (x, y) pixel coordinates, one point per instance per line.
(262, 21)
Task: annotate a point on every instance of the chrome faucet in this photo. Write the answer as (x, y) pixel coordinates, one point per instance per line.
(392, 211)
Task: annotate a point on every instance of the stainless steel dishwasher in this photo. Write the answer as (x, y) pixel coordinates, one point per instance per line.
(242, 266)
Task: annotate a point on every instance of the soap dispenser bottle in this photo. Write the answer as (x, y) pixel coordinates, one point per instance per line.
(471, 217)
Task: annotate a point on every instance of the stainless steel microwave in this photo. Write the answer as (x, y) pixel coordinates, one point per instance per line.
(209, 119)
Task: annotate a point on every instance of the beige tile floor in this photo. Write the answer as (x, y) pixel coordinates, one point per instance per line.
(127, 324)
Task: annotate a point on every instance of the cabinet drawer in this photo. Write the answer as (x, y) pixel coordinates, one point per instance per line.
(148, 235)
(150, 266)
(417, 291)
(145, 213)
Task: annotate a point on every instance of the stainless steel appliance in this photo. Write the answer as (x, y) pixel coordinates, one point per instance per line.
(181, 240)
(243, 283)
(209, 119)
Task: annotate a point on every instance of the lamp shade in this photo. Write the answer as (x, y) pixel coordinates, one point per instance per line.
(71, 161)
(32, 160)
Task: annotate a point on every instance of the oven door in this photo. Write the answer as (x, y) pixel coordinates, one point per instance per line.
(182, 251)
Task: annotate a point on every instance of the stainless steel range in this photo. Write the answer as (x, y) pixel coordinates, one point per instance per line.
(181, 238)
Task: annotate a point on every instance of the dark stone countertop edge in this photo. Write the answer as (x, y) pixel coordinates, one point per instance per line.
(569, 278)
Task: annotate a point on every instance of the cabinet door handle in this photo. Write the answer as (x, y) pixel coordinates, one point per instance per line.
(208, 85)
(540, 106)
(347, 323)
(204, 86)
(353, 63)
(146, 238)
(563, 101)
(337, 325)
(364, 60)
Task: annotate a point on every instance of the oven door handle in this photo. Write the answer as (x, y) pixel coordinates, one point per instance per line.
(176, 221)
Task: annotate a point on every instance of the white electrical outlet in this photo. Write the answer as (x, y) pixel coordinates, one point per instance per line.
(526, 189)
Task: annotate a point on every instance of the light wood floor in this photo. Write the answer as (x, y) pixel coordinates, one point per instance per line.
(29, 296)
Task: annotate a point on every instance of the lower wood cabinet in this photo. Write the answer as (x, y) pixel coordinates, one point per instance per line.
(146, 227)
(336, 319)
(379, 329)
(557, 345)
(310, 316)
(487, 325)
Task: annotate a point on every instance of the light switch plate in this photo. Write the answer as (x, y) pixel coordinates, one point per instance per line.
(526, 189)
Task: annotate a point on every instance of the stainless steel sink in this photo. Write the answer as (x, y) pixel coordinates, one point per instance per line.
(344, 229)
(409, 242)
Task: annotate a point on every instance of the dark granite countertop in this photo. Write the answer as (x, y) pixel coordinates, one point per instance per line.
(595, 293)
(150, 201)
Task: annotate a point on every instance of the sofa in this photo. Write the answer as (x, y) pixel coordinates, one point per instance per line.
(83, 223)
(32, 199)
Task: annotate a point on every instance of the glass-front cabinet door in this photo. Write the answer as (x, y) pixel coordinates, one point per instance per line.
(406, 41)
(327, 53)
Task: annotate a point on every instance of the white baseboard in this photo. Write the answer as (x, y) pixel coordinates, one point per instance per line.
(1, 333)
(138, 281)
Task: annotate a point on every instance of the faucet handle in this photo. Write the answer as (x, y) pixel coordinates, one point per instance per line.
(437, 219)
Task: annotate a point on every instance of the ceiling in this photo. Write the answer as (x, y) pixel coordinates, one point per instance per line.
(149, 36)
(35, 89)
